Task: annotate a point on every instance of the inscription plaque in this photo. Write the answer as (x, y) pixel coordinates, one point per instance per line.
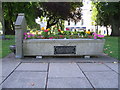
(64, 49)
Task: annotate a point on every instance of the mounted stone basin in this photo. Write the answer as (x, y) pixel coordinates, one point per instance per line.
(53, 47)
(63, 47)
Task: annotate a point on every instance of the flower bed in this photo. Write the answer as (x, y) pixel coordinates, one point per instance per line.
(48, 34)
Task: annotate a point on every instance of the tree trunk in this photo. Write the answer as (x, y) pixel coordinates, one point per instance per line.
(75, 22)
(115, 28)
(54, 21)
(96, 28)
(107, 30)
(68, 21)
(48, 26)
(61, 25)
(8, 28)
(115, 25)
(115, 31)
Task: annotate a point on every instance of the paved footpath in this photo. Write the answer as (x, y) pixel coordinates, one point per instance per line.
(49, 73)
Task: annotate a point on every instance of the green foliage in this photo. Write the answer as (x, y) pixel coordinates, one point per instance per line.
(4, 44)
(106, 14)
(111, 47)
(11, 10)
(56, 11)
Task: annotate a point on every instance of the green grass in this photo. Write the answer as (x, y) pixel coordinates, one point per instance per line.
(111, 46)
(4, 45)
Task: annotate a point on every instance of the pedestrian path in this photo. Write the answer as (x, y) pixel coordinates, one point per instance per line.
(45, 75)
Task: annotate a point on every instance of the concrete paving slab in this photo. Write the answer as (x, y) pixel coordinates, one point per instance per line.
(113, 66)
(106, 89)
(8, 67)
(68, 83)
(64, 70)
(3, 78)
(0, 79)
(26, 80)
(93, 67)
(103, 79)
(32, 67)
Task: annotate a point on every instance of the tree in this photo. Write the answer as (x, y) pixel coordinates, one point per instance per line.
(55, 11)
(11, 10)
(75, 15)
(107, 14)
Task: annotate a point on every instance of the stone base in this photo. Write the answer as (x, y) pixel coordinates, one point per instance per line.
(86, 57)
(46, 47)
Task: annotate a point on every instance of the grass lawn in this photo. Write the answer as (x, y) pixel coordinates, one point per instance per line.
(4, 44)
(110, 48)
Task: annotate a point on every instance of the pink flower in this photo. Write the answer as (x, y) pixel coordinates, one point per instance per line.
(101, 36)
(50, 38)
(32, 34)
(61, 36)
(39, 36)
(28, 36)
(25, 38)
(95, 34)
(45, 30)
(25, 33)
(95, 37)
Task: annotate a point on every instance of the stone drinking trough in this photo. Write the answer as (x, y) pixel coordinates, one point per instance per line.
(62, 47)
(54, 47)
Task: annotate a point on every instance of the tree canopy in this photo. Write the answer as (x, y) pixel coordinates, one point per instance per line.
(107, 13)
(11, 10)
(54, 11)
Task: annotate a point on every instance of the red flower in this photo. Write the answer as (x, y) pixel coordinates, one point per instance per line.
(59, 30)
(61, 36)
(89, 36)
(67, 29)
(45, 30)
